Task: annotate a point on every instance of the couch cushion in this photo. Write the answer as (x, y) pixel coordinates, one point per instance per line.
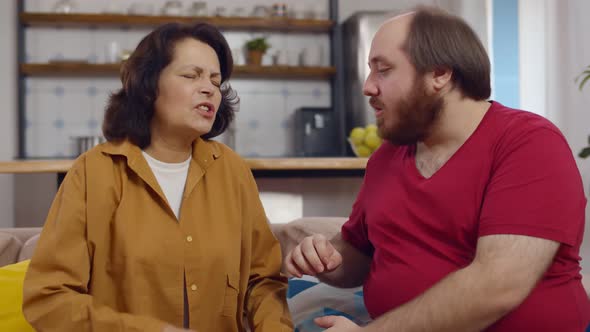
(26, 251)
(308, 299)
(10, 246)
(11, 301)
(22, 233)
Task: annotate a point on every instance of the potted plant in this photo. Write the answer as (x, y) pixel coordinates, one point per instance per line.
(256, 48)
(583, 78)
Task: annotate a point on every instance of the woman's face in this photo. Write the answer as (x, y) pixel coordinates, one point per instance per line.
(188, 92)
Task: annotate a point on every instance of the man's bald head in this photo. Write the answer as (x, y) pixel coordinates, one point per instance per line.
(431, 39)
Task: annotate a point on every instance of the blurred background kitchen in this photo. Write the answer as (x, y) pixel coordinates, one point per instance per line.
(60, 59)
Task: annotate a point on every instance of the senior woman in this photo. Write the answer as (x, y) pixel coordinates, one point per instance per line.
(160, 228)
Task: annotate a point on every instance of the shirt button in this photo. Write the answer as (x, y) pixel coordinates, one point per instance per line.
(193, 287)
(189, 238)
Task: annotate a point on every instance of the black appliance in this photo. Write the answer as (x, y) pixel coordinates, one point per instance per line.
(316, 132)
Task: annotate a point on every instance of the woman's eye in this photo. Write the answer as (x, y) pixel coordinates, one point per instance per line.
(217, 84)
(189, 76)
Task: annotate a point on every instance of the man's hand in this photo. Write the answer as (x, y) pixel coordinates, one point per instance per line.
(337, 324)
(170, 328)
(315, 254)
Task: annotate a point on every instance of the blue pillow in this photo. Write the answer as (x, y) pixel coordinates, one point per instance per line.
(309, 298)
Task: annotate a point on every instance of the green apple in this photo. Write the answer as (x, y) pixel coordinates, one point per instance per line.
(371, 128)
(357, 135)
(363, 151)
(372, 140)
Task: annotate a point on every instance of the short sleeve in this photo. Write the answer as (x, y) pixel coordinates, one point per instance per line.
(535, 189)
(355, 230)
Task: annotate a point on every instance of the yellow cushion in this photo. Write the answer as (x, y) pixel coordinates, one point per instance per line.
(11, 301)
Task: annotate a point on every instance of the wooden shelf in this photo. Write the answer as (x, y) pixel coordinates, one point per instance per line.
(256, 164)
(86, 69)
(224, 23)
(284, 72)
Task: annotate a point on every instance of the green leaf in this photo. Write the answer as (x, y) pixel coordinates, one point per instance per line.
(258, 44)
(584, 82)
(584, 153)
(584, 77)
(582, 74)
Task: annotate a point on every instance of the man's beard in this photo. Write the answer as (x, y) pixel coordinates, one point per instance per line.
(416, 115)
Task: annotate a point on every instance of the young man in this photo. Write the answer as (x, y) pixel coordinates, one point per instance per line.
(471, 214)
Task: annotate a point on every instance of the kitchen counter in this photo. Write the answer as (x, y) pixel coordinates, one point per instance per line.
(285, 166)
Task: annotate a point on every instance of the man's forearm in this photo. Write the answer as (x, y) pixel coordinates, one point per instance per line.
(463, 301)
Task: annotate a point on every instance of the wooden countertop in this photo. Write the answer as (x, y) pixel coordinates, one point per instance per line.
(256, 164)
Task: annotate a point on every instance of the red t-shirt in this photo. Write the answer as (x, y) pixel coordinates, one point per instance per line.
(514, 175)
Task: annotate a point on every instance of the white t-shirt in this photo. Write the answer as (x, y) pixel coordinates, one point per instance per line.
(171, 178)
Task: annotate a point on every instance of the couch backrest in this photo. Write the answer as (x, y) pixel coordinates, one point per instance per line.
(17, 244)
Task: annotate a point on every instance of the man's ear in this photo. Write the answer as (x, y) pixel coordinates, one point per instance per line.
(440, 78)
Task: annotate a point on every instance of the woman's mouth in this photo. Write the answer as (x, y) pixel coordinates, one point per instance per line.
(206, 110)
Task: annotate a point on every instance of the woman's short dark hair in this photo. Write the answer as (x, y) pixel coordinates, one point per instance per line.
(131, 109)
(438, 39)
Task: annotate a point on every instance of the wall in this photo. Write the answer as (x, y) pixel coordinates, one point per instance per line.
(505, 55)
(554, 49)
(568, 48)
(8, 93)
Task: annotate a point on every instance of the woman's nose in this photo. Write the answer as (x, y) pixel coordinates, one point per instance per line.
(206, 89)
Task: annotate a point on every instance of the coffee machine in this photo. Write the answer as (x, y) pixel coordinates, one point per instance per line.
(316, 132)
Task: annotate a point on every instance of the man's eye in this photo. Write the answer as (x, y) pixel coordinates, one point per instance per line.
(189, 76)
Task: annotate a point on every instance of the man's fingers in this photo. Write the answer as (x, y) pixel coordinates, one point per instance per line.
(325, 322)
(311, 252)
(330, 257)
(324, 249)
(292, 269)
(315, 254)
(334, 261)
(300, 262)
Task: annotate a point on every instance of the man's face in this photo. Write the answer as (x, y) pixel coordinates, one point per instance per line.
(413, 115)
(404, 109)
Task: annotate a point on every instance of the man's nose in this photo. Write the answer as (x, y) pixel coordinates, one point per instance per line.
(369, 88)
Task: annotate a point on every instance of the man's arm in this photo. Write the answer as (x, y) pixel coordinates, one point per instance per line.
(505, 270)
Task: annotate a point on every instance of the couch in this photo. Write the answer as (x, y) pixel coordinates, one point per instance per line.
(307, 297)
(17, 244)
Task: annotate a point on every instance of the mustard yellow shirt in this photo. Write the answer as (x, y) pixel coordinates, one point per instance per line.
(113, 257)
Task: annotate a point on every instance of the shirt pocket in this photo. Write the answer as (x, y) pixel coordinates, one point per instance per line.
(230, 298)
